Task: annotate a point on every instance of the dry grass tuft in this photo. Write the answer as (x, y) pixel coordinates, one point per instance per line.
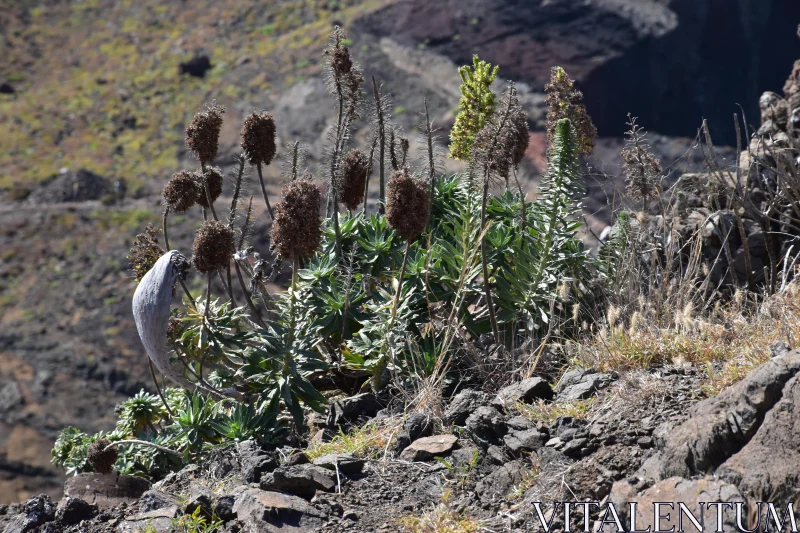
(548, 412)
(443, 519)
(370, 441)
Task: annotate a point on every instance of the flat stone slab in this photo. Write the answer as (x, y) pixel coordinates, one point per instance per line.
(427, 448)
(347, 463)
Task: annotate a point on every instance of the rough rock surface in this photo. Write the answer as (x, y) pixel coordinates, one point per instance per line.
(427, 448)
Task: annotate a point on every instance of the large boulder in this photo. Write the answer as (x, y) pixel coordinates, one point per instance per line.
(464, 404)
(768, 463)
(691, 493)
(302, 480)
(35, 512)
(272, 512)
(106, 490)
(719, 427)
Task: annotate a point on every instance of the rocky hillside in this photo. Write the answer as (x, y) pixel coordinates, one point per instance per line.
(605, 438)
(97, 92)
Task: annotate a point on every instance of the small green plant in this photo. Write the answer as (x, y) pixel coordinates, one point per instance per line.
(196, 523)
(461, 475)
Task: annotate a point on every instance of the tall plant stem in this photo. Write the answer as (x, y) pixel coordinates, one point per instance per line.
(431, 168)
(487, 285)
(247, 297)
(292, 300)
(400, 282)
(208, 295)
(264, 190)
(164, 227)
(333, 191)
(208, 193)
(295, 157)
(166, 243)
(158, 387)
(523, 211)
(369, 173)
(229, 285)
(382, 145)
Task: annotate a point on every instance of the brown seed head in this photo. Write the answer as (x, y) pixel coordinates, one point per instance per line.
(354, 179)
(258, 138)
(296, 230)
(214, 178)
(202, 133)
(407, 205)
(145, 252)
(180, 192)
(213, 246)
(565, 101)
(341, 62)
(102, 460)
(519, 137)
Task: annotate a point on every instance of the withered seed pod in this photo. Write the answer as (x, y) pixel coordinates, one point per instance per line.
(341, 62)
(214, 177)
(180, 192)
(202, 133)
(354, 179)
(407, 205)
(213, 246)
(520, 138)
(258, 138)
(296, 230)
(102, 460)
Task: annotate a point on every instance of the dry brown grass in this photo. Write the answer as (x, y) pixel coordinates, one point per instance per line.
(442, 519)
(369, 440)
(548, 412)
(727, 341)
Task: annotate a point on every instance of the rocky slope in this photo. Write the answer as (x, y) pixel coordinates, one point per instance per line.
(96, 85)
(644, 437)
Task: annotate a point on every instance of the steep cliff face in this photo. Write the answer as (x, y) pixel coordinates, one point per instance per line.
(721, 54)
(669, 62)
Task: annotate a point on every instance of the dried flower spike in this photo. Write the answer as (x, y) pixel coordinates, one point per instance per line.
(213, 177)
(213, 246)
(296, 230)
(145, 252)
(258, 138)
(102, 459)
(202, 133)
(180, 192)
(565, 101)
(407, 205)
(354, 179)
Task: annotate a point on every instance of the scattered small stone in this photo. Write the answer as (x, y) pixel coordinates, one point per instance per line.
(526, 391)
(297, 459)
